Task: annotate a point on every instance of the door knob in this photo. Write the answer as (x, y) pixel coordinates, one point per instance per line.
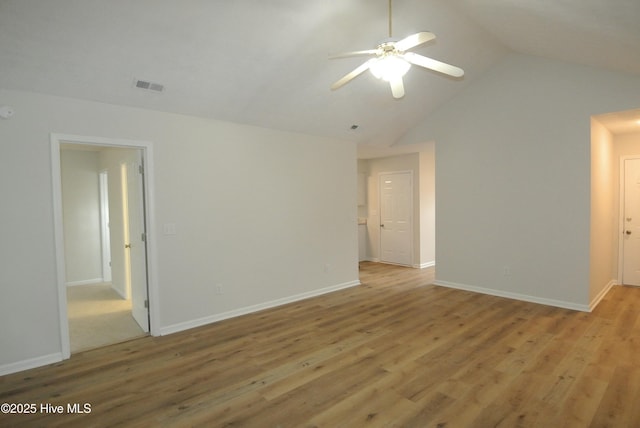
(628, 232)
(129, 245)
(382, 225)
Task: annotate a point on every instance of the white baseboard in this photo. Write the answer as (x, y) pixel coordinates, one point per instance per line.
(425, 265)
(85, 282)
(254, 308)
(596, 300)
(415, 266)
(31, 363)
(515, 296)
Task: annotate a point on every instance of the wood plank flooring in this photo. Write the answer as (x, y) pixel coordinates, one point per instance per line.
(393, 352)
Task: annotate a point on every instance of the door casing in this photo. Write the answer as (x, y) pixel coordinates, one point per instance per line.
(147, 155)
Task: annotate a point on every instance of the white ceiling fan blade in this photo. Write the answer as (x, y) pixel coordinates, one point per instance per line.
(364, 67)
(355, 53)
(432, 64)
(414, 40)
(397, 87)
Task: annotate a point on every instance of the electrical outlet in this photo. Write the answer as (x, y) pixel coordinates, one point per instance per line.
(506, 271)
(327, 268)
(218, 288)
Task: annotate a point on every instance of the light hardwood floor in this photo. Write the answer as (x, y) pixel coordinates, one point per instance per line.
(395, 351)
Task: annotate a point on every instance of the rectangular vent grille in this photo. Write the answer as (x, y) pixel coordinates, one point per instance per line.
(143, 84)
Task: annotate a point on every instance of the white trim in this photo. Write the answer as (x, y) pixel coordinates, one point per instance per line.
(85, 282)
(254, 308)
(147, 152)
(31, 363)
(425, 265)
(515, 296)
(58, 233)
(596, 300)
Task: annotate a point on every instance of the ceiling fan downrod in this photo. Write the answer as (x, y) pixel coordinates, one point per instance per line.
(390, 19)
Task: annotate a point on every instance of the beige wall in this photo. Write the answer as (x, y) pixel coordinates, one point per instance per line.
(81, 207)
(603, 212)
(428, 205)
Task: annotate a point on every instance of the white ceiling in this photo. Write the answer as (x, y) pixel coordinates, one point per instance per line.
(265, 63)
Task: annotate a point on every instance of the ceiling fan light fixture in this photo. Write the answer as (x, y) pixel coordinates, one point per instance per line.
(393, 60)
(389, 67)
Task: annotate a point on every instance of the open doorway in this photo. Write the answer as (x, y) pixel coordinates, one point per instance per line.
(100, 287)
(416, 164)
(615, 140)
(101, 222)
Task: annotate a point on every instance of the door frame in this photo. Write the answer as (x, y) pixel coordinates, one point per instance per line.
(146, 149)
(622, 184)
(411, 213)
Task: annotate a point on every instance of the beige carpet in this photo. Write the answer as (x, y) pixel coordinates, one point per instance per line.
(98, 316)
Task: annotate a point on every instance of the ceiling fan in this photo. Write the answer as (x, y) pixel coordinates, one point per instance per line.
(392, 61)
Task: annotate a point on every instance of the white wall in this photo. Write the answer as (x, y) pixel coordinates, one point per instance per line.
(268, 215)
(427, 205)
(513, 178)
(603, 212)
(81, 208)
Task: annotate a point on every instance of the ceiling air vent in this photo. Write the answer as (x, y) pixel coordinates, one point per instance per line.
(143, 84)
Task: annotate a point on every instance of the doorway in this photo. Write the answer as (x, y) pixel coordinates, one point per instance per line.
(126, 286)
(396, 207)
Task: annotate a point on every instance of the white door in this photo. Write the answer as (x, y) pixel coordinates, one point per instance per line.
(631, 223)
(135, 245)
(396, 194)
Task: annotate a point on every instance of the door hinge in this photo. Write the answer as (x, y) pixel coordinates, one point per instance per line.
(143, 237)
(141, 169)
(146, 303)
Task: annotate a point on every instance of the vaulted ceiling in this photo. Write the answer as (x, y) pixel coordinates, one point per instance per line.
(266, 63)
